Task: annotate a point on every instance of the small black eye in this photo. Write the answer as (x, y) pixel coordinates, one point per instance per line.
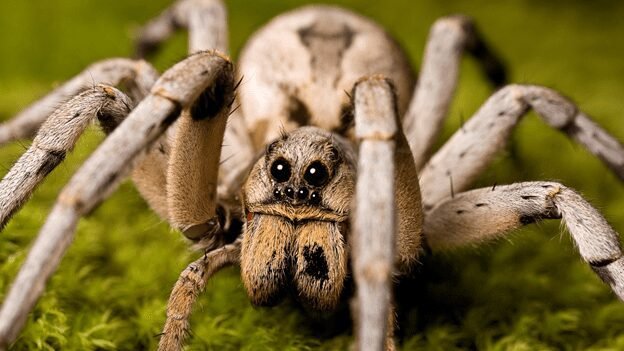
(316, 174)
(280, 170)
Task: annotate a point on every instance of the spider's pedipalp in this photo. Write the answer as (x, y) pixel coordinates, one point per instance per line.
(177, 89)
(191, 283)
(448, 39)
(138, 76)
(480, 215)
(470, 150)
(55, 139)
(205, 20)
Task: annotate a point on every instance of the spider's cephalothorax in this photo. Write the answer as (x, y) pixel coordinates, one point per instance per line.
(296, 201)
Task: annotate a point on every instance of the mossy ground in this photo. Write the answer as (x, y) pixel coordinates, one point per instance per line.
(531, 292)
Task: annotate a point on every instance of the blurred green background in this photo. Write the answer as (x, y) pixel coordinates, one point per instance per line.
(530, 292)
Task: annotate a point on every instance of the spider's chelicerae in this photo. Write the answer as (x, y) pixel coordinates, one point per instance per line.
(326, 172)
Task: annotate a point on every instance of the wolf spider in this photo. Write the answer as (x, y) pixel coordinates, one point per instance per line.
(310, 176)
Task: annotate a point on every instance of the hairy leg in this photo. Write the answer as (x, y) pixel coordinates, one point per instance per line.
(138, 76)
(192, 172)
(385, 165)
(180, 87)
(471, 149)
(191, 283)
(205, 20)
(55, 139)
(194, 164)
(476, 216)
(449, 38)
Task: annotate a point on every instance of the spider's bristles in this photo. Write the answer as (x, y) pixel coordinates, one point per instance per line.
(470, 151)
(232, 111)
(111, 72)
(451, 185)
(55, 139)
(238, 83)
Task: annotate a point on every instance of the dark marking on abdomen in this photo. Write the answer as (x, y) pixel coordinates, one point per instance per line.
(326, 39)
(299, 112)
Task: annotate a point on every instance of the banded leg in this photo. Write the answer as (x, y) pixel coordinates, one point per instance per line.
(375, 252)
(448, 39)
(191, 283)
(55, 139)
(180, 87)
(205, 20)
(138, 76)
(192, 174)
(476, 216)
(471, 149)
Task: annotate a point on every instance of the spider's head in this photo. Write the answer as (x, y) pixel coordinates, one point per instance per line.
(297, 199)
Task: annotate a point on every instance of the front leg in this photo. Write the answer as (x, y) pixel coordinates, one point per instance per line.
(387, 200)
(177, 89)
(373, 219)
(194, 164)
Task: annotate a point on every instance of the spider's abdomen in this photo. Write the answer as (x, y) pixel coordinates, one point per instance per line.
(298, 68)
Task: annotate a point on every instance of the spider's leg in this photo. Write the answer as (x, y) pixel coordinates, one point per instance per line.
(193, 165)
(448, 39)
(181, 87)
(475, 216)
(138, 76)
(471, 149)
(205, 20)
(386, 202)
(57, 136)
(374, 221)
(190, 284)
(192, 172)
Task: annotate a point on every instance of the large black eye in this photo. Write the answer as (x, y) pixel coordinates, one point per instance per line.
(280, 170)
(316, 174)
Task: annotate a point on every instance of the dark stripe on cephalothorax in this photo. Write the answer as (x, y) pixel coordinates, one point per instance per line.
(326, 40)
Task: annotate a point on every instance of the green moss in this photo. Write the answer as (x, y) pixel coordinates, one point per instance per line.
(531, 292)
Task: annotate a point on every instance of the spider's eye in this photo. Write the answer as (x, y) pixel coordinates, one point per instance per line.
(316, 174)
(280, 170)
